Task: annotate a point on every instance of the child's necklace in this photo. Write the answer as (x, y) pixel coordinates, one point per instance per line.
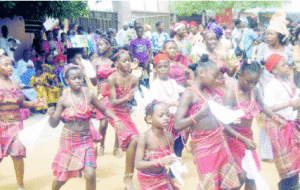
(198, 93)
(159, 144)
(291, 94)
(251, 106)
(13, 89)
(162, 84)
(74, 106)
(123, 86)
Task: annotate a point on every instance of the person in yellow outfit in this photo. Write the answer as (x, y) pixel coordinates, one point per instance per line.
(40, 82)
(49, 63)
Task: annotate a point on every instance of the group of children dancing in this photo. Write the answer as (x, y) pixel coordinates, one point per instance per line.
(179, 109)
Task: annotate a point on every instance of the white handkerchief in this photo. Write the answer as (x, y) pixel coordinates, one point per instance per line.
(29, 135)
(177, 169)
(142, 102)
(248, 164)
(224, 114)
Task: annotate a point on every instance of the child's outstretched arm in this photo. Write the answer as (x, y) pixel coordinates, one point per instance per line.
(56, 114)
(30, 104)
(98, 105)
(181, 122)
(266, 109)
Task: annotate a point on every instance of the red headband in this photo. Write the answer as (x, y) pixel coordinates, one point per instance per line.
(122, 51)
(160, 57)
(69, 66)
(185, 23)
(193, 23)
(105, 41)
(149, 105)
(272, 61)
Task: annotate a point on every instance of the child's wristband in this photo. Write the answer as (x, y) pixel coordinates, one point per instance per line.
(33, 104)
(193, 119)
(160, 163)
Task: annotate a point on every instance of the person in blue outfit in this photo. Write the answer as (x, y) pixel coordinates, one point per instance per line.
(249, 36)
(158, 38)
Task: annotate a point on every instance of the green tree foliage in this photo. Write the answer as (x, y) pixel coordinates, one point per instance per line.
(187, 8)
(38, 9)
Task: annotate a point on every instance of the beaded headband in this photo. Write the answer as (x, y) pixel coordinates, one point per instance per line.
(122, 51)
(149, 105)
(169, 42)
(69, 66)
(104, 40)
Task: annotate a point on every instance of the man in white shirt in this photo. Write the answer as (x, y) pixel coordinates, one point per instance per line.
(7, 43)
(24, 63)
(122, 35)
(237, 33)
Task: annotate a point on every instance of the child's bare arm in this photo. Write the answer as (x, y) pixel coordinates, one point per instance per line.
(181, 122)
(113, 100)
(171, 140)
(56, 80)
(55, 117)
(229, 97)
(140, 163)
(265, 109)
(250, 144)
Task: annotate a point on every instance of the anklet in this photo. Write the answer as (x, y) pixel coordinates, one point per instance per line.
(129, 175)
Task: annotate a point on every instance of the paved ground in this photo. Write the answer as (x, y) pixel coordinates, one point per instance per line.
(38, 173)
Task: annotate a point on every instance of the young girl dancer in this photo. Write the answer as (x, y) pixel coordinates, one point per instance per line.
(76, 152)
(103, 67)
(244, 95)
(281, 97)
(122, 86)
(215, 164)
(154, 148)
(11, 99)
(182, 75)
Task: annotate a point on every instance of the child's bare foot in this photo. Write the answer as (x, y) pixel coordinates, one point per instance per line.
(21, 187)
(101, 151)
(117, 153)
(266, 160)
(129, 185)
